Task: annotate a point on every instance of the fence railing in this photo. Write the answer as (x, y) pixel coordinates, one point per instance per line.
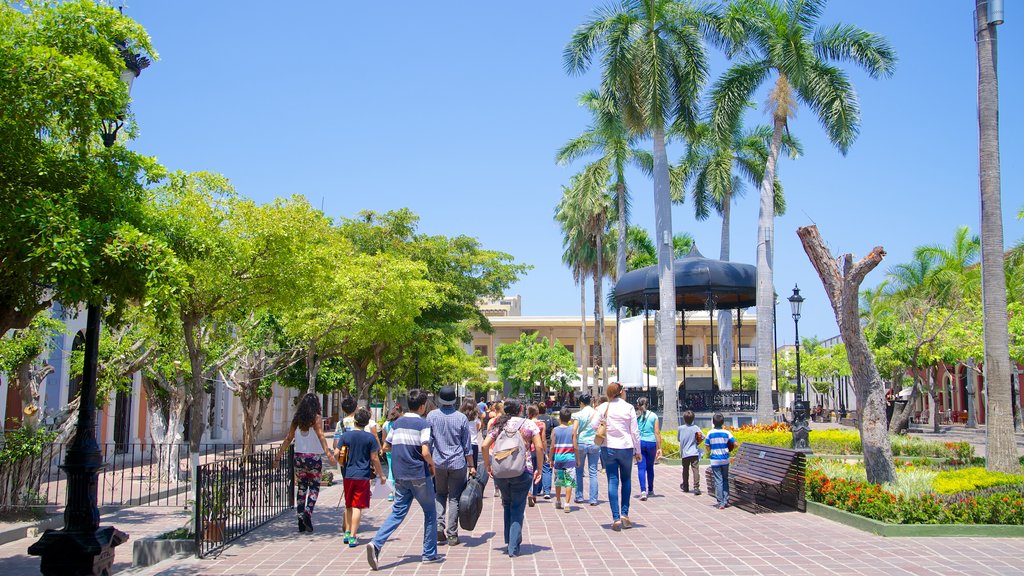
(710, 401)
(237, 495)
(132, 475)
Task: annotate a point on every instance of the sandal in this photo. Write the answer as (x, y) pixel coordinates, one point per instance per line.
(531, 500)
(617, 526)
(627, 523)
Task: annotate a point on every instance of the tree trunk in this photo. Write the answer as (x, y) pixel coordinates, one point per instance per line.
(933, 393)
(666, 343)
(1018, 418)
(166, 411)
(901, 420)
(765, 277)
(843, 293)
(313, 362)
(620, 257)
(1000, 448)
(583, 333)
(28, 378)
(197, 424)
(13, 318)
(725, 316)
(599, 307)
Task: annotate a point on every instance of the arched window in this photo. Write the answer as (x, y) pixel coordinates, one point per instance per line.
(75, 382)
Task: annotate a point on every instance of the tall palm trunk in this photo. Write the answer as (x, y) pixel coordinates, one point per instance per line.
(666, 328)
(599, 356)
(725, 316)
(1000, 449)
(765, 282)
(620, 255)
(583, 332)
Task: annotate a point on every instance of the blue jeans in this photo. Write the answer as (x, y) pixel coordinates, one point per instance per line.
(721, 476)
(544, 486)
(645, 467)
(618, 466)
(422, 491)
(588, 454)
(513, 502)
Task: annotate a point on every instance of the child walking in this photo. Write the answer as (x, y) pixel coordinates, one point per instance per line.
(307, 432)
(720, 442)
(563, 458)
(690, 438)
(360, 449)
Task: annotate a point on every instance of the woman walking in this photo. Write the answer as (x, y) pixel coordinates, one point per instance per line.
(508, 461)
(469, 408)
(533, 413)
(650, 447)
(307, 430)
(621, 447)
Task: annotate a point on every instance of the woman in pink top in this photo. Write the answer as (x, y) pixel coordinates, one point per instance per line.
(621, 448)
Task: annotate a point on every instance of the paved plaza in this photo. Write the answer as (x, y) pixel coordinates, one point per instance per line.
(674, 534)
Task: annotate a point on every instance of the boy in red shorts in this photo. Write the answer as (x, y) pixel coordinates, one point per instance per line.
(361, 448)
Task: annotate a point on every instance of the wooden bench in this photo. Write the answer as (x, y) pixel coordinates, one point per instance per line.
(763, 477)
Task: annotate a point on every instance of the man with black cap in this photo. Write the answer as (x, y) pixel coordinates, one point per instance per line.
(452, 451)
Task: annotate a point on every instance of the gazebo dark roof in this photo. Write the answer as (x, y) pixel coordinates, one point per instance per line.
(732, 284)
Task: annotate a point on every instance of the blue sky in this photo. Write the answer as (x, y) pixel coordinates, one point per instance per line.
(455, 110)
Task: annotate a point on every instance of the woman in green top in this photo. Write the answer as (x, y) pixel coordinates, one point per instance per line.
(650, 447)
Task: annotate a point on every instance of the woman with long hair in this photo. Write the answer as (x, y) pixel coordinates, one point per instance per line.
(621, 447)
(473, 415)
(307, 431)
(650, 447)
(511, 435)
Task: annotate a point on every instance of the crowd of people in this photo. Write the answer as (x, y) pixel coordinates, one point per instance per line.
(430, 455)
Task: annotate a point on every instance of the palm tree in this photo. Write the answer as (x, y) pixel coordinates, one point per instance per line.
(782, 38)
(716, 172)
(583, 214)
(1000, 449)
(608, 137)
(653, 67)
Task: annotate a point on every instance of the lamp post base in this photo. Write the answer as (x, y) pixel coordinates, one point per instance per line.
(66, 552)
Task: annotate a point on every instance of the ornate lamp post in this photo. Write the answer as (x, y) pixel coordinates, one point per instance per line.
(801, 428)
(82, 547)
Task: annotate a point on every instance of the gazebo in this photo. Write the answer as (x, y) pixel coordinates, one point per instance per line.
(700, 284)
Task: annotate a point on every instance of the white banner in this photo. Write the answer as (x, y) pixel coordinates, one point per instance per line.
(631, 352)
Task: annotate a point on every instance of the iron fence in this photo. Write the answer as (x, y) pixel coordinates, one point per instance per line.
(237, 495)
(132, 475)
(721, 401)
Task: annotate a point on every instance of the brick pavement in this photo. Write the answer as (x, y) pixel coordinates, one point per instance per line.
(674, 534)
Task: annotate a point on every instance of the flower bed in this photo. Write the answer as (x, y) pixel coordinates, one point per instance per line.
(879, 503)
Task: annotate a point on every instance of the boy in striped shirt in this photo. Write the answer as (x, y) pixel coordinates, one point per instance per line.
(720, 443)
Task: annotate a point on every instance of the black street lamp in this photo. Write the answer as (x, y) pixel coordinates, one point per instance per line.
(801, 428)
(82, 547)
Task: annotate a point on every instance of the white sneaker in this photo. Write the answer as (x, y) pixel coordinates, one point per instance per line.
(643, 496)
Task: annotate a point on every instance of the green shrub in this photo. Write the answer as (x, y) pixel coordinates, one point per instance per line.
(879, 503)
(966, 479)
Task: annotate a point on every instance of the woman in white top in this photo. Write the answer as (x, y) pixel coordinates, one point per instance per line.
(620, 450)
(310, 446)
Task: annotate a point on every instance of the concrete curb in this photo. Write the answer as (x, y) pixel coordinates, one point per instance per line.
(914, 530)
(150, 550)
(30, 529)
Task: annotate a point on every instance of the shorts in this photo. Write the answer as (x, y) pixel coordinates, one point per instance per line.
(565, 477)
(357, 493)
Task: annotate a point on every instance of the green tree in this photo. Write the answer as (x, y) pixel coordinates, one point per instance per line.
(653, 67)
(716, 171)
(73, 228)
(582, 214)
(608, 137)
(533, 362)
(784, 40)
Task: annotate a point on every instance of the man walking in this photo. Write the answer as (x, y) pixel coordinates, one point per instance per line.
(408, 442)
(452, 452)
(587, 452)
